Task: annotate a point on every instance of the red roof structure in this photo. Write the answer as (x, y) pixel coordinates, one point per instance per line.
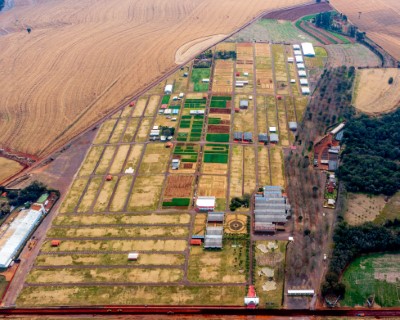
(55, 243)
(252, 292)
(164, 106)
(4, 194)
(132, 104)
(109, 177)
(195, 242)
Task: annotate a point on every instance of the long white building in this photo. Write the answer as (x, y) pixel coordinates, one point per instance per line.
(308, 49)
(17, 233)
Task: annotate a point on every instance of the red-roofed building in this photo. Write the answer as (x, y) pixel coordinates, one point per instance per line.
(251, 300)
(164, 106)
(195, 242)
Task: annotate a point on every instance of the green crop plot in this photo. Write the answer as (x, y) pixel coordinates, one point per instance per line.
(198, 74)
(218, 137)
(165, 99)
(375, 275)
(216, 153)
(195, 103)
(219, 102)
(177, 202)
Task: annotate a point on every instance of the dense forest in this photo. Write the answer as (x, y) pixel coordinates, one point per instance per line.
(29, 194)
(352, 241)
(370, 161)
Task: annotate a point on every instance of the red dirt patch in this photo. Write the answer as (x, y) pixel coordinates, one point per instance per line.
(218, 129)
(178, 186)
(294, 14)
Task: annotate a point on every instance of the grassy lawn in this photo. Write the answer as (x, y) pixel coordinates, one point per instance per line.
(227, 265)
(375, 274)
(198, 74)
(270, 287)
(391, 210)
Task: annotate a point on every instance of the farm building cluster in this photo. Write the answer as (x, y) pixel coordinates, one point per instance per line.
(306, 49)
(271, 210)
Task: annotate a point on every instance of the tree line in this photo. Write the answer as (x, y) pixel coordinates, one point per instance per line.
(370, 161)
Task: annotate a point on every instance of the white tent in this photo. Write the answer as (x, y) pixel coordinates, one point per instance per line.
(308, 49)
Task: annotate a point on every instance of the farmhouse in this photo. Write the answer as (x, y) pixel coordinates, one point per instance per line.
(308, 49)
(168, 89)
(292, 125)
(14, 237)
(273, 138)
(243, 104)
(304, 82)
(205, 203)
(270, 208)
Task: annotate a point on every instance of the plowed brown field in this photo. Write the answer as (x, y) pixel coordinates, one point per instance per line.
(379, 18)
(84, 58)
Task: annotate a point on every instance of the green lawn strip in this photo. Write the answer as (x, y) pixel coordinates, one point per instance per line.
(214, 120)
(198, 74)
(177, 202)
(165, 99)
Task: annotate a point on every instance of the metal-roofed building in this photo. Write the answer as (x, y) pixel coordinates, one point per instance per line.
(273, 137)
(238, 135)
(308, 49)
(213, 238)
(248, 136)
(243, 104)
(263, 137)
(215, 217)
(293, 125)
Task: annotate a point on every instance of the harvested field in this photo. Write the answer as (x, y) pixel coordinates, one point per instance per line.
(134, 156)
(235, 224)
(363, 208)
(281, 76)
(263, 167)
(271, 112)
(212, 186)
(373, 93)
(119, 159)
(118, 130)
(91, 161)
(105, 131)
(117, 245)
(244, 120)
(227, 266)
(109, 259)
(380, 19)
(133, 295)
(155, 159)
(277, 170)
(283, 126)
(90, 194)
(152, 106)
(104, 163)
(131, 130)
(301, 104)
(146, 193)
(8, 168)
(261, 115)
(355, 55)
(118, 232)
(214, 168)
(72, 198)
(223, 74)
(103, 200)
(139, 107)
(199, 224)
(179, 186)
(153, 218)
(295, 13)
(142, 134)
(122, 192)
(249, 176)
(236, 185)
(122, 275)
(264, 74)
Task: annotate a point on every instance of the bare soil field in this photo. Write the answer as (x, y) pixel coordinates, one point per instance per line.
(8, 168)
(146, 193)
(355, 55)
(296, 13)
(71, 40)
(380, 19)
(362, 208)
(179, 186)
(373, 93)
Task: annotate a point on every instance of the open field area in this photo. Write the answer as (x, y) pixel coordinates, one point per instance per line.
(373, 94)
(355, 55)
(380, 19)
(363, 208)
(8, 168)
(390, 211)
(73, 100)
(374, 275)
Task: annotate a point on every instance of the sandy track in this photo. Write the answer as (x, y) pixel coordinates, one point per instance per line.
(84, 58)
(379, 18)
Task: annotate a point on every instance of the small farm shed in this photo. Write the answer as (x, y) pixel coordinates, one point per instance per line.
(175, 164)
(169, 145)
(290, 59)
(109, 177)
(263, 137)
(299, 59)
(248, 136)
(272, 129)
(205, 80)
(168, 89)
(195, 242)
(302, 73)
(133, 256)
(304, 82)
(55, 243)
(132, 104)
(274, 138)
(293, 125)
(308, 49)
(301, 66)
(296, 47)
(305, 90)
(238, 135)
(243, 104)
(130, 170)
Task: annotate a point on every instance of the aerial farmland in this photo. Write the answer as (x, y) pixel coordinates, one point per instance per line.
(217, 185)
